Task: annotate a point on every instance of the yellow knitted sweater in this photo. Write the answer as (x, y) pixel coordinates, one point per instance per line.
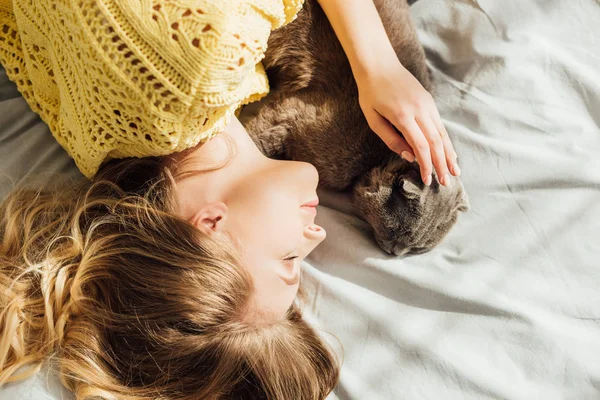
(122, 78)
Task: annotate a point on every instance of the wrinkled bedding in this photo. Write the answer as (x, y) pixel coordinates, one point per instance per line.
(508, 306)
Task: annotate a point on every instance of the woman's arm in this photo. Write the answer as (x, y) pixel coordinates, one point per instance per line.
(388, 93)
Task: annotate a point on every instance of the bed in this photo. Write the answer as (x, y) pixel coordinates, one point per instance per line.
(508, 306)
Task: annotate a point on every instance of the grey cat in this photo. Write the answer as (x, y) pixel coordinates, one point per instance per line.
(312, 114)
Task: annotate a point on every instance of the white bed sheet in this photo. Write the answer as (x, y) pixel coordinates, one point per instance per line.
(508, 306)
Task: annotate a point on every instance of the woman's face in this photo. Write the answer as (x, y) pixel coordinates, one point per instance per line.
(266, 205)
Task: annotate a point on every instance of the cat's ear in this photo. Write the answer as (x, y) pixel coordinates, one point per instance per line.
(410, 189)
(464, 205)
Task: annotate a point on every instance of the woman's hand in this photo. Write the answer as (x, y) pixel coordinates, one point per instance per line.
(393, 97)
(388, 94)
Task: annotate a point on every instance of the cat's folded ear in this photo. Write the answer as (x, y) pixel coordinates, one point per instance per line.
(464, 205)
(409, 188)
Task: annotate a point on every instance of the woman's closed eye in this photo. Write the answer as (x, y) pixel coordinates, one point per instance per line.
(292, 274)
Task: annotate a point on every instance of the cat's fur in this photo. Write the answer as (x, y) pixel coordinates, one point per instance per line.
(312, 114)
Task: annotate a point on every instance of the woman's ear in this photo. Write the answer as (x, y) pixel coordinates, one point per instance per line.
(211, 217)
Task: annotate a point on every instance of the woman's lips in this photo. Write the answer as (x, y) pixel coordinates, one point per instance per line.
(311, 206)
(312, 203)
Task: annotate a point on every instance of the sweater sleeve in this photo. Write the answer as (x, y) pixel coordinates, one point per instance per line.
(122, 78)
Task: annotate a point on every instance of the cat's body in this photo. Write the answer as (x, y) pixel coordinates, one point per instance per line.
(312, 114)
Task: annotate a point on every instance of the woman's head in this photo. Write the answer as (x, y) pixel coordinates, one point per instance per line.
(136, 302)
(259, 203)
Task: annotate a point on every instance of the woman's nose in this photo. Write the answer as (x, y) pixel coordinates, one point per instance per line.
(311, 173)
(302, 173)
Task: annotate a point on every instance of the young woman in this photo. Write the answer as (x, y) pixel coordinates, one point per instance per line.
(173, 272)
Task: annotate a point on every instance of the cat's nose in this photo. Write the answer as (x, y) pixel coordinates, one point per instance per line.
(393, 247)
(385, 245)
(400, 250)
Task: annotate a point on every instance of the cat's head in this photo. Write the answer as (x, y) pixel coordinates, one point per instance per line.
(407, 216)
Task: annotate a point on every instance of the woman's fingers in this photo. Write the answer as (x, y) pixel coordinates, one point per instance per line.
(420, 146)
(436, 146)
(424, 138)
(451, 157)
(390, 137)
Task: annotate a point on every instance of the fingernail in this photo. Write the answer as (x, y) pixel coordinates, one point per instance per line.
(407, 156)
(446, 180)
(427, 180)
(456, 169)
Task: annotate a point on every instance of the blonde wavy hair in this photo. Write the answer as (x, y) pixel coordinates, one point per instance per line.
(131, 301)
